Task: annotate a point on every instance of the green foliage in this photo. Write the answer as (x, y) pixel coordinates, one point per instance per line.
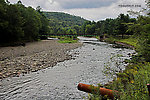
(64, 19)
(32, 20)
(19, 23)
(88, 28)
(95, 93)
(68, 39)
(144, 38)
(132, 83)
(130, 40)
(111, 27)
(62, 23)
(11, 25)
(121, 24)
(140, 39)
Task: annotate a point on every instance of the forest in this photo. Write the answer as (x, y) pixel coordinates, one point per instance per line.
(63, 23)
(20, 23)
(23, 24)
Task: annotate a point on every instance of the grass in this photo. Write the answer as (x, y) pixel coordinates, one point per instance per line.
(130, 41)
(65, 39)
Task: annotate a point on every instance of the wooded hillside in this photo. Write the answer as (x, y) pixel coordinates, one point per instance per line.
(63, 23)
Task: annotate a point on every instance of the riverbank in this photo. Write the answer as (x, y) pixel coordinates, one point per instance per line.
(133, 82)
(33, 57)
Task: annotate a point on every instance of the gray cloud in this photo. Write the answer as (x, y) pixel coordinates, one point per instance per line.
(88, 9)
(51, 1)
(72, 4)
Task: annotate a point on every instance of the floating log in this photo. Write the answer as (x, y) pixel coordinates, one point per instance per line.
(94, 89)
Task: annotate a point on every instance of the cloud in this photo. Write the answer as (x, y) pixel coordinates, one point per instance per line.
(72, 4)
(111, 11)
(50, 5)
(51, 1)
(88, 9)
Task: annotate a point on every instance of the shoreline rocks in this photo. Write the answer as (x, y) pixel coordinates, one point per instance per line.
(33, 57)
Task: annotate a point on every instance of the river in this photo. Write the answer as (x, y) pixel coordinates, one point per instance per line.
(60, 82)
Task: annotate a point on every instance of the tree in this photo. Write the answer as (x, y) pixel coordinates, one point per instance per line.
(3, 20)
(83, 27)
(32, 25)
(19, 23)
(44, 25)
(14, 30)
(38, 9)
(19, 2)
(77, 28)
(144, 37)
(121, 24)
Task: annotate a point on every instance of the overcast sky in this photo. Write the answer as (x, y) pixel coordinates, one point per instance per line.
(88, 9)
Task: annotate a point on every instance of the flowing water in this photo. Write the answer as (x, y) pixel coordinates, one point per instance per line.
(60, 82)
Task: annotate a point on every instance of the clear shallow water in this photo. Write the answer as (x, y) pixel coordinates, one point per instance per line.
(60, 82)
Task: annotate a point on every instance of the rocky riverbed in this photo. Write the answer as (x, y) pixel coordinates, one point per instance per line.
(33, 57)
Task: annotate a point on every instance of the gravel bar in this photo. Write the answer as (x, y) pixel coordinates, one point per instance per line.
(33, 57)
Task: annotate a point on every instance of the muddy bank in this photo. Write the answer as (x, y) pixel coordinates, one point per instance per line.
(33, 57)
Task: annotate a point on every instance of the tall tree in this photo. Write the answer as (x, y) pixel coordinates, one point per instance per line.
(122, 27)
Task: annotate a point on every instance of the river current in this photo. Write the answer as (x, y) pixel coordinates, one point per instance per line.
(60, 82)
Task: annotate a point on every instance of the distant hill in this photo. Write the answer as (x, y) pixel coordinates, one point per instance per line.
(60, 22)
(64, 18)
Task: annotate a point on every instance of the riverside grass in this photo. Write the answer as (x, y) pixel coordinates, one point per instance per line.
(132, 82)
(65, 39)
(130, 41)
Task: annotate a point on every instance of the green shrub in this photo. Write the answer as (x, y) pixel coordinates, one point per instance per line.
(69, 39)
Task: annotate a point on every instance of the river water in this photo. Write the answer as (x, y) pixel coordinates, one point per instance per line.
(60, 82)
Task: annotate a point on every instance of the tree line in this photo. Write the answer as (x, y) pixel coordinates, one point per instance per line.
(20, 23)
(109, 27)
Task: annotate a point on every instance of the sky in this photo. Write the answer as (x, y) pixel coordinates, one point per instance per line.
(93, 10)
